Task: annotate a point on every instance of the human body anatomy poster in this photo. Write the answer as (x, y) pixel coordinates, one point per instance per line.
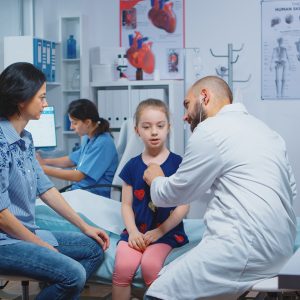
(152, 32)
(281, 49)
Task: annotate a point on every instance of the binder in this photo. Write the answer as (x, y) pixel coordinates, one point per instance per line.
(37, 53)
(48, 61)
(102, 104)
(44, 57)
(53, 61)
(124, 104)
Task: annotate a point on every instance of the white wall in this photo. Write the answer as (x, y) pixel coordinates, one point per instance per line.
(214, 24)
(9, 23)
(209, 24)
(102, 19)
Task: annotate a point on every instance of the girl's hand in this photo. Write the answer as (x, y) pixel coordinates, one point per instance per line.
(136, 241)
(152, 236)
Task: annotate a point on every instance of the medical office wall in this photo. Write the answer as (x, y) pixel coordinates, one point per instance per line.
(209, 24)
(10, 22)
(280, 49)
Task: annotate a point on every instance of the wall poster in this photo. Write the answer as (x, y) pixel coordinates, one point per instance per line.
(281, 49)
(152, 32)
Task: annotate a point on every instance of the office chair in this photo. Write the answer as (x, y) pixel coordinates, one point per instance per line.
(24, 282)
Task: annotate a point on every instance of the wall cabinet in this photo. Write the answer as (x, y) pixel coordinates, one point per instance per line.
(38, 52)
(117, 101)
(74, 72)
(71, 75)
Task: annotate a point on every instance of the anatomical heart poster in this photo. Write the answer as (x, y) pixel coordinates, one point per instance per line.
(152, 32)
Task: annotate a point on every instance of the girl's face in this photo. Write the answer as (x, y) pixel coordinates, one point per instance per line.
(32, 109)
(153, 127)
(79, 126)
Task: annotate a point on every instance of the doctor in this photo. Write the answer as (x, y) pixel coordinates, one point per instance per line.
(250, 223)
(96, 160)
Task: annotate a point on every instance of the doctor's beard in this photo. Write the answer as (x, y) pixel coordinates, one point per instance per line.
(200, 116)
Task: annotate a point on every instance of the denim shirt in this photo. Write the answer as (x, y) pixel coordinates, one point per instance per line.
(22, 179)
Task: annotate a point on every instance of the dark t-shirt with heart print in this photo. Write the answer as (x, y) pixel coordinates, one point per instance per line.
(147, 215)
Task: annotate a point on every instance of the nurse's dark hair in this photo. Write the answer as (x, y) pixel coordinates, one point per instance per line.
(19, 82)
(84, 109)
(220, 87)
(151, 103)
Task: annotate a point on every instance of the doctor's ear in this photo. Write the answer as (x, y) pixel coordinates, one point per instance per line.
(206, 96)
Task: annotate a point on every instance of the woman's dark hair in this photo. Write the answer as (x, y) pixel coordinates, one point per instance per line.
(83, 109)
(19, 83)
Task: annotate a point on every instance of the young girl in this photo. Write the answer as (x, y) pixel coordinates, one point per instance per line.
(151, 232)
(97, 159)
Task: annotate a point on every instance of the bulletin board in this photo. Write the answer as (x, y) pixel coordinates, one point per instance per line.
(152, 32)
(280, 49)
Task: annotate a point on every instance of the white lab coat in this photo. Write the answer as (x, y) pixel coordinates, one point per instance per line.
(250, 220)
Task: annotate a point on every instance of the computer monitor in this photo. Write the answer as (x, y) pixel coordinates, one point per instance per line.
(43, 130)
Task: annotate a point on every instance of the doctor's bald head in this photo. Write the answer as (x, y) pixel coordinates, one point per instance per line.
(205, 98)
(218, 87)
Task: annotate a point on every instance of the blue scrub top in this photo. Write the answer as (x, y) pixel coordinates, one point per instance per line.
(97, 158)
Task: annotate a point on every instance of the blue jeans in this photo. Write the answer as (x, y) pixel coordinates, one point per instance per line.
(65, 272)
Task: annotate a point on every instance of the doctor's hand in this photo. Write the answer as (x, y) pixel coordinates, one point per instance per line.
(136, 241)
(152, 172)
(152, 236)
(99, 235)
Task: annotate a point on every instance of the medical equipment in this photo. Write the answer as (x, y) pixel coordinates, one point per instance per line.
(122, 65)
(43, 130)
(223, 71)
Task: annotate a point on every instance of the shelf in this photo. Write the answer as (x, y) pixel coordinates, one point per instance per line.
(69, 132)
(129, 83)
(71, 60)
(53, 83)
(71, 91)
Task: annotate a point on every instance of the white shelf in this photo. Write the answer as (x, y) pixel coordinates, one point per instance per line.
(76, 26)
(71, 91)
(53, 83)
(129, 83)
(71, 60)
(117, 100)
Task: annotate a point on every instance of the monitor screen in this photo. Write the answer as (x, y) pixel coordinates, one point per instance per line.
(43, 130)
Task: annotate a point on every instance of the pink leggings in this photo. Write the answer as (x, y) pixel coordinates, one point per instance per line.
(128, 260)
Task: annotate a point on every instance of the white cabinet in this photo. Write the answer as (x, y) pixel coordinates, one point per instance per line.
(117, 101)
(74, 71)
(38, 52)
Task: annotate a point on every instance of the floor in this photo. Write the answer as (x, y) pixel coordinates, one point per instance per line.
(13, 291)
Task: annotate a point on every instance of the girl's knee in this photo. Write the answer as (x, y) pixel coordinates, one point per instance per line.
(150, 270)
(123, 273)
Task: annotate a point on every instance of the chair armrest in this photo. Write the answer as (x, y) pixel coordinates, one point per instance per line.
(65, 188)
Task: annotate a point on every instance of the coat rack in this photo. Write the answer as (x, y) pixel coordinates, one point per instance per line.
(228, 72)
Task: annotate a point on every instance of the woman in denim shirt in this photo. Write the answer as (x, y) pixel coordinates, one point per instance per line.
(63, 259)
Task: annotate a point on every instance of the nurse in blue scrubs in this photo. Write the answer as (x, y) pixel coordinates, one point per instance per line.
(95, 162)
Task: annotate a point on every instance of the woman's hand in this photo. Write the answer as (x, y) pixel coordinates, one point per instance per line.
(136, 241)
(99, 235)
(46, 245)
(152, 236)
